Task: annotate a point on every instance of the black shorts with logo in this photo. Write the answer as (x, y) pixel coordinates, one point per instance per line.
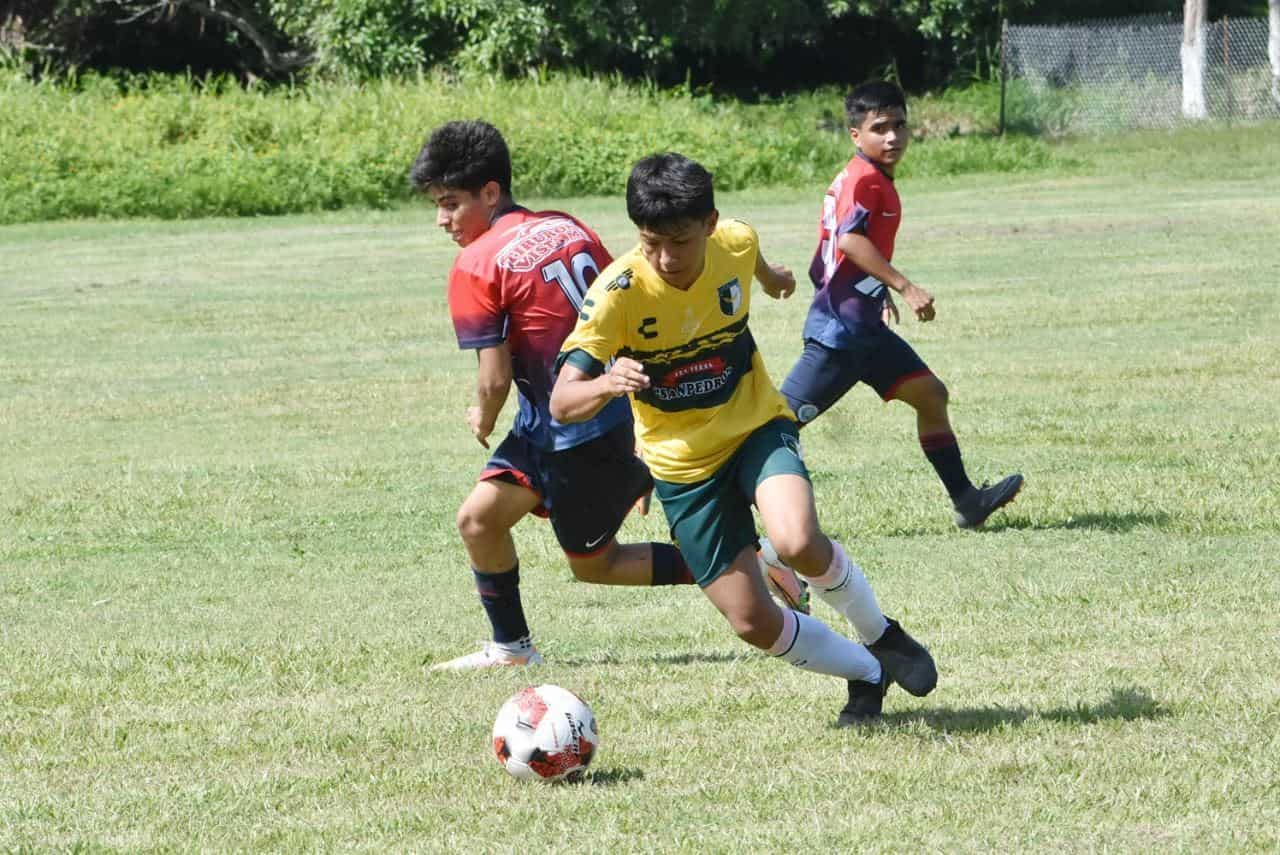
(587, 490)
(822, 375)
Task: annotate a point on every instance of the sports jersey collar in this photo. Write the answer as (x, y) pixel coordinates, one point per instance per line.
(514, 209)
(877, 166)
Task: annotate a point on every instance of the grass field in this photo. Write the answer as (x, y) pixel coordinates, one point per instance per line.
(230, 454)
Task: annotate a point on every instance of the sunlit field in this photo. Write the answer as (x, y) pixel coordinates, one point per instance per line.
(231, 452)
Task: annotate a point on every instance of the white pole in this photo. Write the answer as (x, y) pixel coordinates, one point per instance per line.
(1273, 49)
(1193, 25)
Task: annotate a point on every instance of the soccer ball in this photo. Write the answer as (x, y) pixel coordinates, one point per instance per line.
(545, 733)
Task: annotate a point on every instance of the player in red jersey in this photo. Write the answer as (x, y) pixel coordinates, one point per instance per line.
(515, 292)
(846, 334)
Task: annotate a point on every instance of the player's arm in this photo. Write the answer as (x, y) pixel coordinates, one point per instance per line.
(493, 384)
(859, 249)
(581, 392)
(777, 281)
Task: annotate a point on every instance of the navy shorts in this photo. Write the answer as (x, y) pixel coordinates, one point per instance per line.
(821, 376)
(587, 490)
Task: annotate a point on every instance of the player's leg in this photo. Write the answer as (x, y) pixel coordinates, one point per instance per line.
(712, 520)
(591, 488)
(820, 377)
(772, 466)
(504, 494)
(899, 374)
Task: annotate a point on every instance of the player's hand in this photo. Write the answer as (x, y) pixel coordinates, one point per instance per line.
(920, 301)
(780, 284)
(626, 376)
(889, 314)
(475, 421)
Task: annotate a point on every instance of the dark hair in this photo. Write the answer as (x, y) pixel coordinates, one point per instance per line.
(875, 96)
(667, 190)
(462, 156)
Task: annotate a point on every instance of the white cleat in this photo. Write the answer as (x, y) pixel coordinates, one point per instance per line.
(489, 656)
(783, 582)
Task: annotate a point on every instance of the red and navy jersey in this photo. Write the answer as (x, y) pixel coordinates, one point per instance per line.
(522, 282)
(861, 199)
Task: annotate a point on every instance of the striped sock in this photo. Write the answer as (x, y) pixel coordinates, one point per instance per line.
(942, 450)
(844, 587)
(810, 644)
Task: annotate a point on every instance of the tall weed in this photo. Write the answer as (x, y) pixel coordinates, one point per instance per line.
(173, 147)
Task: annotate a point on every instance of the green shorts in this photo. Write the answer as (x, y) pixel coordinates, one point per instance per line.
(711, 520)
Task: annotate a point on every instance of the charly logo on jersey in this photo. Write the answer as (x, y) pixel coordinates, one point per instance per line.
(693, 379)
(730, 297)
(534, 243)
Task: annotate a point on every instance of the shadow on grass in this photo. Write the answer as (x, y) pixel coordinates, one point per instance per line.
(1127, 704)
(1098, 521)
(1000, 521)
(669, 659)
(612, 777)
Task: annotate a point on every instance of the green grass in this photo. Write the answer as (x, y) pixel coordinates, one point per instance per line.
(231, 450)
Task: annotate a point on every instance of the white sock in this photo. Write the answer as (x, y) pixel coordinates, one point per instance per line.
(810, 644)
(519, 647)
(846, 589)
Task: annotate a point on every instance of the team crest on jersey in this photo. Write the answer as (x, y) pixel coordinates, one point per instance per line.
(534, 243)
(621, 282)
(730, 297)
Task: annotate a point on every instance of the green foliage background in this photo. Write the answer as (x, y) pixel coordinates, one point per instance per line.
(175, 148)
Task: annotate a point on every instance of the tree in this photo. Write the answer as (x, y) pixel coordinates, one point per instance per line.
(1194, 15)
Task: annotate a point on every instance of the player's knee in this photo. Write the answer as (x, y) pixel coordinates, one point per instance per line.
(797, 546)
(473, 524)
(938, 393)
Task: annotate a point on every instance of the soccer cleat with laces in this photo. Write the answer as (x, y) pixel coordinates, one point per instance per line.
(784, 583)
(905, 661)
(973, 508)
(865, 702)
(490, 656)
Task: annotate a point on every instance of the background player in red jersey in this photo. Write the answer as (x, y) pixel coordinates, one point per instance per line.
(515, 292)
(846, 334)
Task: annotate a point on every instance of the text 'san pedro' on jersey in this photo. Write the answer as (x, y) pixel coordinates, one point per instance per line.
(709, 388)
(522, 282)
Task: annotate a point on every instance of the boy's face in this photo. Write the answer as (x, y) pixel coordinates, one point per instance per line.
(677, 254)
(463, 214)
(883, 137)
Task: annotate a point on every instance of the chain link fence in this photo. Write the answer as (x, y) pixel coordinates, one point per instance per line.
(1101, 75)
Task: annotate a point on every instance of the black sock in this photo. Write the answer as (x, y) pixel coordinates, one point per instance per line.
(500, 596)
(943, 452)
(669, 567)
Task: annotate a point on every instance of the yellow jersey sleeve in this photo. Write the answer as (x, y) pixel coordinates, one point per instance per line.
(601, 328)
(739, 239)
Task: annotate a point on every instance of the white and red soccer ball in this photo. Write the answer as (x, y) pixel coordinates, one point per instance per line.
(545, 733)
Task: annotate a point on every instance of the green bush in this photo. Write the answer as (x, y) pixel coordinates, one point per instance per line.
(174, 148)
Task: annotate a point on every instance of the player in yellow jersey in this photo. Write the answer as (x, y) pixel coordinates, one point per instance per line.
(672, 315)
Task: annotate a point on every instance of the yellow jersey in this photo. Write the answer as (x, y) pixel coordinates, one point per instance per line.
(708, 385)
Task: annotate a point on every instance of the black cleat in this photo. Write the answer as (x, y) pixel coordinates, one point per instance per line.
(906, 661)
(973, 508)
(865, 700)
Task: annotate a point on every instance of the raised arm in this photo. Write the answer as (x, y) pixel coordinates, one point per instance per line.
(859, 249)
